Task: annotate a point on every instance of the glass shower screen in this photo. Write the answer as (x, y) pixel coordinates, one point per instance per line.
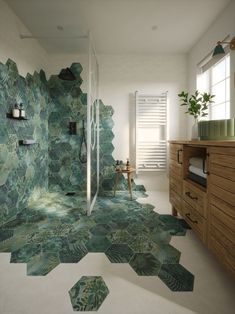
(92, 129)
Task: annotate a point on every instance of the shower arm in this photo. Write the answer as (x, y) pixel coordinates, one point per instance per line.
(24, 36)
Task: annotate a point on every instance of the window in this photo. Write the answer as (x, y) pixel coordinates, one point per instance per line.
(215, 79)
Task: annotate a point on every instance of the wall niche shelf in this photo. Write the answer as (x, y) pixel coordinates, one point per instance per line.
(10, 116)
(27, 142)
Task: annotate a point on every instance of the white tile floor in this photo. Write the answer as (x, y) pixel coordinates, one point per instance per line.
(214, 290)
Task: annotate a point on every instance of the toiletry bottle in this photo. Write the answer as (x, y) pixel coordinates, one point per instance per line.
(117, 166)
(16, 111)
(127, 164)
(22, 111)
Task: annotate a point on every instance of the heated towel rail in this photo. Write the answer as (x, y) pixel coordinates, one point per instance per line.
(151, 123)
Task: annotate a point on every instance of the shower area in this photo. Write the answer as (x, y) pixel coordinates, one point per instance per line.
(54, 154)
(73, 128)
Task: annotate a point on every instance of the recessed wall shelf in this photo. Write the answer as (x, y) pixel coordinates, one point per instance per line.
(10, 116)
(27, 142)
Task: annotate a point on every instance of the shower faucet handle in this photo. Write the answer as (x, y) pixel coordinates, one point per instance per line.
(72, 128)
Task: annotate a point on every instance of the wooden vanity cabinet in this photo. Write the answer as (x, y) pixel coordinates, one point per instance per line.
(176, 177)
(210, 210)
(221, 220)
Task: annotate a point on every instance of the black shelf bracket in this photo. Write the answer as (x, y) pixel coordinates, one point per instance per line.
(27, 143)
(10, 116)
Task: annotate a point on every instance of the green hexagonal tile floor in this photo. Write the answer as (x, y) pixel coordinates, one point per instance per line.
(88, 293)
(119, 253)
(55, 229)
(145, 264)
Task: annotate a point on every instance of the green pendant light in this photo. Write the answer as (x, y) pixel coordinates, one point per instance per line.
(219, 48)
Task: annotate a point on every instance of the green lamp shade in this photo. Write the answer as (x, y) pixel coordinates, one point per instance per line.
(218, 50)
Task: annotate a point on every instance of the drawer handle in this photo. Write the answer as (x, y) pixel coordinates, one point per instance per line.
(190, 196)
(204, 167)
(189, 218)
(178, 156)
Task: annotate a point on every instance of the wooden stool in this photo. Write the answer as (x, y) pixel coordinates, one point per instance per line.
(117, 177)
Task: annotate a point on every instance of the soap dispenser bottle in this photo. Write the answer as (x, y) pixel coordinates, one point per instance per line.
(16, 111)
(22, 111)
(117, 166)
(128, 164)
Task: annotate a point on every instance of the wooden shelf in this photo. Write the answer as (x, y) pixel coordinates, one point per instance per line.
(201, 187)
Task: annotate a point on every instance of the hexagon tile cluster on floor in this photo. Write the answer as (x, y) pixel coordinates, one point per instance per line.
(88, 293)
(55, 229)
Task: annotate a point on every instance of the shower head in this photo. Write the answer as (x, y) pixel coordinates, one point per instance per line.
(66, 75)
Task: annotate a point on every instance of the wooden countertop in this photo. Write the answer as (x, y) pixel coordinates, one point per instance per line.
(204, 143)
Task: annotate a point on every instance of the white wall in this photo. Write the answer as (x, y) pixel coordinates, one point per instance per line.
(122, 75)
(224, 25)
(28, 54)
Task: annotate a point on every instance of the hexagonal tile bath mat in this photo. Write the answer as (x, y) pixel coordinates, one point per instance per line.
(55, 229)
(88, 293)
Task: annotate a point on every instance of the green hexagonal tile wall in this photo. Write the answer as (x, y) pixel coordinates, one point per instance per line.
(24, 169)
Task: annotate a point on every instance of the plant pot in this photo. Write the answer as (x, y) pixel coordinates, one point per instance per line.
(194, 134)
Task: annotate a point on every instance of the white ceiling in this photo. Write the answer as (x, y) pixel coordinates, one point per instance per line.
(119, 26)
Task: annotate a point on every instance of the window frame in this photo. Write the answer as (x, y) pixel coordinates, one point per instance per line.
(206, 67)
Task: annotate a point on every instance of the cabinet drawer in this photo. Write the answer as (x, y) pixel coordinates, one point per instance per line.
(222, 171)
(215, 222)
(195, 197)
(225, 219)
(227, 196)
(176, 153)
(175, 169)
(223, 159)
(176, 185)
(222, 254)
(223, 183)
(223, 206)
(195, 220)
(174, 148)
(176, 201)
(222, 150)
(223, 240)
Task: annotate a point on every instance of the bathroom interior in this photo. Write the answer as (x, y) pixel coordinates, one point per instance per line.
(85, 224)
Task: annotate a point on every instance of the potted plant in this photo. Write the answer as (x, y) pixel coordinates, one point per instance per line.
(197, 106)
